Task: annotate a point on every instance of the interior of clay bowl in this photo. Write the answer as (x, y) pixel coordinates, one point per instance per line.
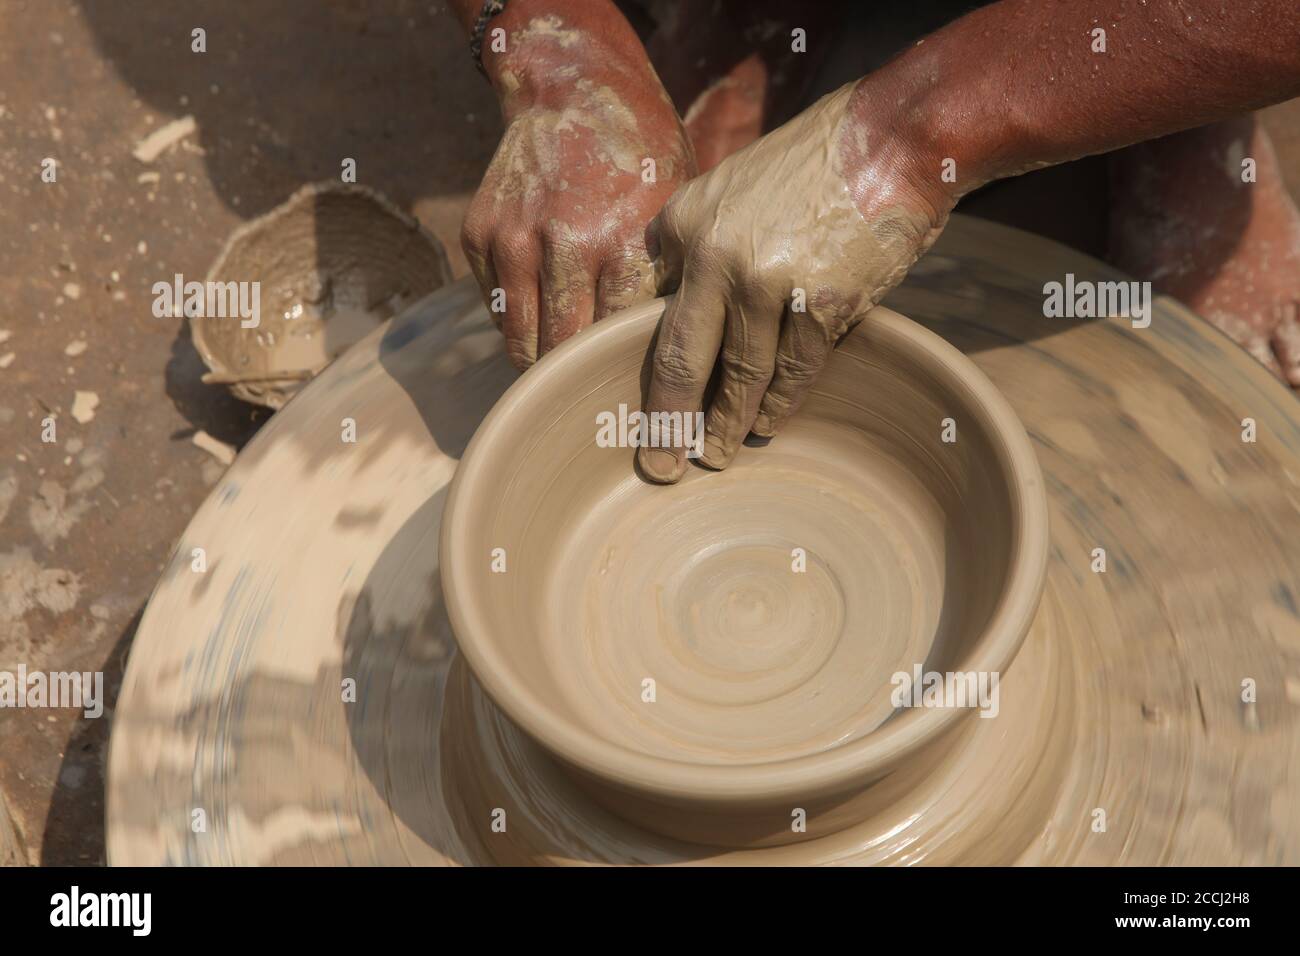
(331, 265)
(740, 631)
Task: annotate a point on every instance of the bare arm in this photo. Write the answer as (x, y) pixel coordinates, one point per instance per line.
(592, 149)
(786, 245)
(1023, 84)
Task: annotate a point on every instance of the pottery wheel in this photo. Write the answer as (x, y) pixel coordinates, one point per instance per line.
(1150, 718)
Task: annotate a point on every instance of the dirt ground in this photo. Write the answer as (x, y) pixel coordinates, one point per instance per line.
(87, 521)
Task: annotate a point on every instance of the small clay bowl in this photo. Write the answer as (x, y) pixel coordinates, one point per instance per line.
(716, 660)
(334, 262)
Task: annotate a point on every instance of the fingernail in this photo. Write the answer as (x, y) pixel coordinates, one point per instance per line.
(660, 465)
(763, 425)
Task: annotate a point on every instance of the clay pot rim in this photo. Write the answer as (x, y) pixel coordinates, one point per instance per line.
(826, 772)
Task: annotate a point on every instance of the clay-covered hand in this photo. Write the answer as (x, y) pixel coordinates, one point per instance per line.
(556, 233)
(776, 254)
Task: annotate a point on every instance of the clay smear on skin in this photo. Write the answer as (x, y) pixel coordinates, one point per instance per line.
(801, 228)
(608, 146)
(779, 213)
(542, 152)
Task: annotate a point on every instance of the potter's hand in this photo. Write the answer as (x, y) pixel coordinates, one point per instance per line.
(782, 247)
(777, 253)
(592, 149)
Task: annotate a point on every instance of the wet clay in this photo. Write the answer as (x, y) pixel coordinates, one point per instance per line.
(741, 629)
(1125, 697)
(334, 263)
(774, 262)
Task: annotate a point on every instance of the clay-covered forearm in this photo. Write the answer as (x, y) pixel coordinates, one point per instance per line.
(547, 47)
(1022, 84)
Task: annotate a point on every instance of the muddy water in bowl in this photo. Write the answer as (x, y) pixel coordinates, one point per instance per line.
(321, 320)
(330, 264)
(732, 641)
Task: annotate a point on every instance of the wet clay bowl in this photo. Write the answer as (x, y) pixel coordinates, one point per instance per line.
(334, 262)
(771, 604)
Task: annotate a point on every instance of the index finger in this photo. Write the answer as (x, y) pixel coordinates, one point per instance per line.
(690, 335)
